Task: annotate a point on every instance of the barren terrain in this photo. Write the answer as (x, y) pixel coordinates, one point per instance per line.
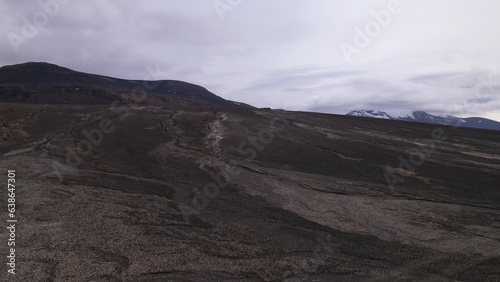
(190, 193)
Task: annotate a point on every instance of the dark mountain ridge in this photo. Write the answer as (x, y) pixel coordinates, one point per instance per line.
(48, 83)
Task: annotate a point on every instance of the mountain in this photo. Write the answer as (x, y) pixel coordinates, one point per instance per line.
(46, 83)
(371, 114)
(423, 117)
(484, 123)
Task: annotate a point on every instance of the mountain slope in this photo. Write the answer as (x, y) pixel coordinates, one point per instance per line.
(48, 83)
(423, 117)
(203, 193)
(484, 123)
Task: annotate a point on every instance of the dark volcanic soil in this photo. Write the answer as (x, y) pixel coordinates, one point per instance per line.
(191, 193)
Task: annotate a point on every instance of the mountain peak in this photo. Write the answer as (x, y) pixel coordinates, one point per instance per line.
(369, 113)
(38, 66)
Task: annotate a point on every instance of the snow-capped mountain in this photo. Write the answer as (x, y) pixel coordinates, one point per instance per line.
(370, 113)
(420, 116)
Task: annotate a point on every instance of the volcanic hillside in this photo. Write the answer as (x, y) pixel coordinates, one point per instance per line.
(48, 83)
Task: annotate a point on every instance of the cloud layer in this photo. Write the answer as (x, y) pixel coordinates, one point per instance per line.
(437, 56)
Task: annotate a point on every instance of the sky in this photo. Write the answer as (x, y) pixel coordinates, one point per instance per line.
(327, 56)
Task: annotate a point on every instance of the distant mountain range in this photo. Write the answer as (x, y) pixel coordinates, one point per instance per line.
(44, 83)
(420, 116)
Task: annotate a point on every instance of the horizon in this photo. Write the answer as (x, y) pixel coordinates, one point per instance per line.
(328, 57)
(391, 113)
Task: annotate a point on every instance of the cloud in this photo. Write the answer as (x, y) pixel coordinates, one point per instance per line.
(430, 78)
(480, 100)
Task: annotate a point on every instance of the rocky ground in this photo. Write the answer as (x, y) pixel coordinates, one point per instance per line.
(192, 193)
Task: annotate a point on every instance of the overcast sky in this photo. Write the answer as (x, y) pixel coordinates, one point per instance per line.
(324, 55)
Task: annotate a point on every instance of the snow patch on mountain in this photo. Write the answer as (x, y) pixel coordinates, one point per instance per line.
(416, 116)
(420, 116)
(370, 113)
